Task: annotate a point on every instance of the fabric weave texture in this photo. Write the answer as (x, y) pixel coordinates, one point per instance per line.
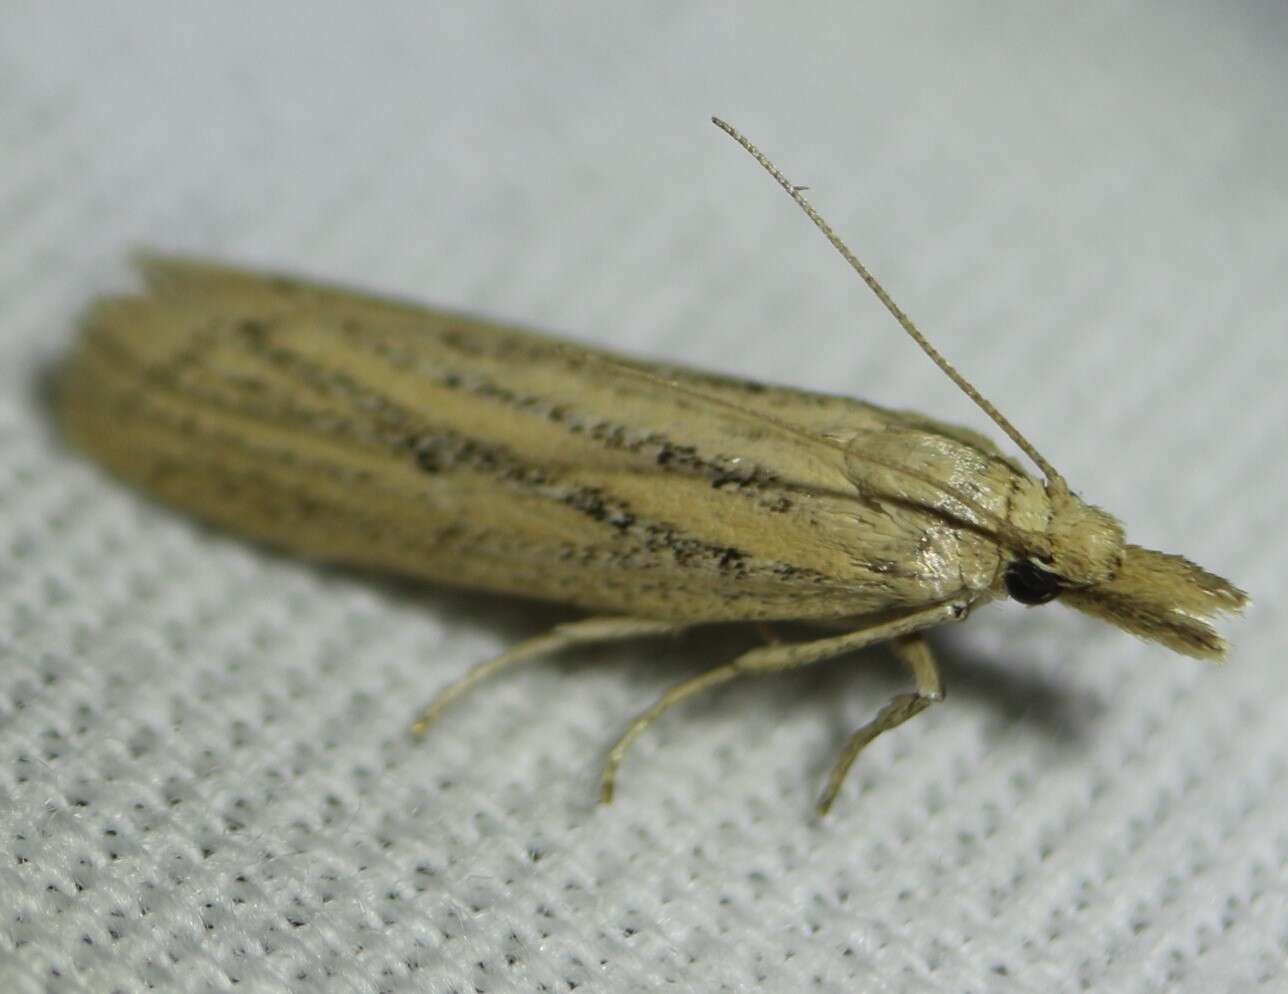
(205, 781)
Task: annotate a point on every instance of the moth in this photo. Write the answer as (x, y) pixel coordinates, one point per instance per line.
(361, 431)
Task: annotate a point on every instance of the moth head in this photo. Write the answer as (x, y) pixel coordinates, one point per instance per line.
(1155, 595)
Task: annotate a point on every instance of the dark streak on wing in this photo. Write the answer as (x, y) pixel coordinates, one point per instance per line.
(439, 450)
(375, 422)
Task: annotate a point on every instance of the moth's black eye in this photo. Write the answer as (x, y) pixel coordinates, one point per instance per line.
(1029, 583)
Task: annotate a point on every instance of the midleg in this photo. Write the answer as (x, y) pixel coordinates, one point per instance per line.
(773, 657)
(914, 653)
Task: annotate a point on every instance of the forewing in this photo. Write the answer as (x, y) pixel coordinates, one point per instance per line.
(363, 431)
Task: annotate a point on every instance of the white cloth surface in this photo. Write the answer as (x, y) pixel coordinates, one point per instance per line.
(205, 782)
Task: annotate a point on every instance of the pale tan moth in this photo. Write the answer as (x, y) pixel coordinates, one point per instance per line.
(367, 432)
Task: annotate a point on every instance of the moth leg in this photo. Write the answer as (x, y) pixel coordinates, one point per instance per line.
(561, 637)
(770, 658)
(914, 653)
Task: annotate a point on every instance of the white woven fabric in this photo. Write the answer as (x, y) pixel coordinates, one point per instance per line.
(204, 779)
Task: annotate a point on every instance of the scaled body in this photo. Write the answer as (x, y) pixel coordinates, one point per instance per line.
(354, 430)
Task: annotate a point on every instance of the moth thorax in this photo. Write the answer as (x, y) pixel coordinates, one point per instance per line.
(1086, 542)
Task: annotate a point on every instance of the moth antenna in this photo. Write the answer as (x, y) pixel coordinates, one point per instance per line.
(1053, 479)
